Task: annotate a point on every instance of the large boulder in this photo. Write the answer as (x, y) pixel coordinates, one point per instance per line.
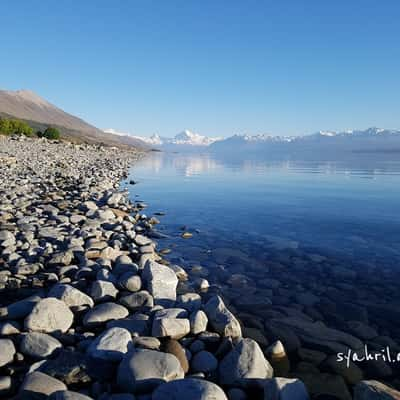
(49, 315)
(38, 345)
(37, 385)
(161, 282)
(185, 389)
(71, 296)
(143, 370)
(111, 345)
(174, 328)
(244, 365)
(103, 313)
(221, 319)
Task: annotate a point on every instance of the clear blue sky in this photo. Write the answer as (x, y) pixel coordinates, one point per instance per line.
(216, 67)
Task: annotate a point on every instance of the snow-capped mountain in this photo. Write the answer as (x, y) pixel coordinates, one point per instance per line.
(185, 139)
(194, 139)
(322, 142)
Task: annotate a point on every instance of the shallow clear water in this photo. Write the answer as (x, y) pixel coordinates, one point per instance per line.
(294, 248)
(347, 208)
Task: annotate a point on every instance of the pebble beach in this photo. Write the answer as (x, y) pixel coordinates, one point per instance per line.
(90, 308)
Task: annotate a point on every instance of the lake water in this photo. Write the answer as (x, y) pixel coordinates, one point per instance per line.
(314, 240)
(347, 208)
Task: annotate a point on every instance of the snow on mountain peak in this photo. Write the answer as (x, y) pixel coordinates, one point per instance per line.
(194, 139)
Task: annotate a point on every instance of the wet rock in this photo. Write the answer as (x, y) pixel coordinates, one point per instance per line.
(374, 390)
(143, 370)
(362, 330)
(244, 365)
(312, 356)
(193, 389)
(221, 319)
(49, 315)
(351, 373)
(317, 336)
(325, 385)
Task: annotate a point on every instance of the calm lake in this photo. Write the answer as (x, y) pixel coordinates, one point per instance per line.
(302, 251)
(344, 208)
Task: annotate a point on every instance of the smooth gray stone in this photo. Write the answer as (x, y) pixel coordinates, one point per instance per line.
(7, 351)
(71, 296)
(161, 282)
(103, 313)
(244, 365)
(38, 386)
(221, 319)
(111, 345)
(38, 345)
(49, 315)
(143, 370)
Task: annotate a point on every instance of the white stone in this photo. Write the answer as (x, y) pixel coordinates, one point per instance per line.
(244, 364)
(161, 282)
(111, 344)
(49, 315)
(142, 370)
(221, 319)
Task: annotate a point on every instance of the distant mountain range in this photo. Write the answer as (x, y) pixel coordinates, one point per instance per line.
(323, 142)
(39, 113)
(184, 141)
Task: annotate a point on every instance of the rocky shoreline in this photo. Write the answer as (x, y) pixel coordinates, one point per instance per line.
(89, 309)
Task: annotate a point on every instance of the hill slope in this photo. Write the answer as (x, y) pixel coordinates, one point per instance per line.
(28, 106)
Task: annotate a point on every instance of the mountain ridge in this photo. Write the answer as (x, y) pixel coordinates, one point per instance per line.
(39, 113)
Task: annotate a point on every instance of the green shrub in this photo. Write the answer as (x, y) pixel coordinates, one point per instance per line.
(51, 133)
(12, 126)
